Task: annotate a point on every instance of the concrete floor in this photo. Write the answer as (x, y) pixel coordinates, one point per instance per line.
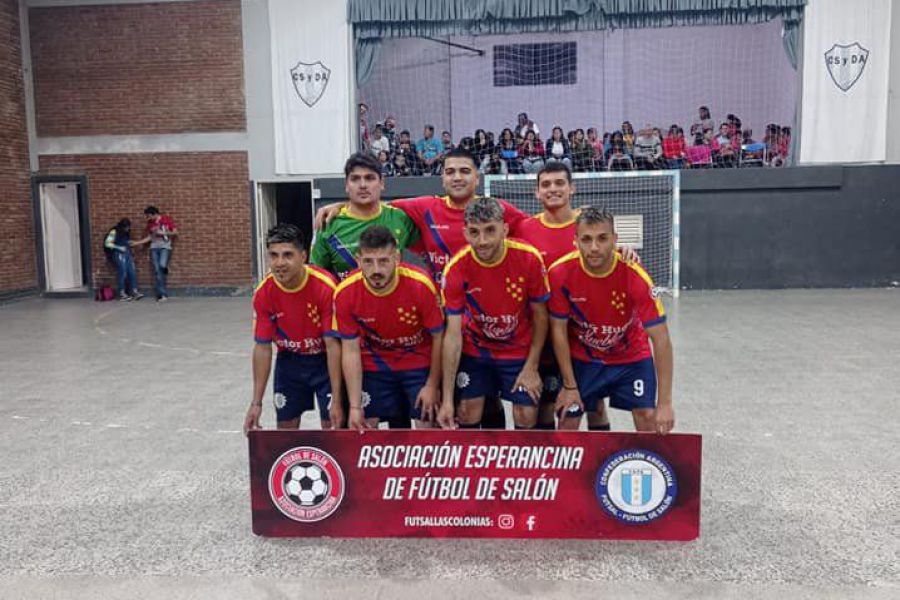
(124, 474)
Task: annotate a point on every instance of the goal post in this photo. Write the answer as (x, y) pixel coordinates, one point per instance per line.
(645, 204)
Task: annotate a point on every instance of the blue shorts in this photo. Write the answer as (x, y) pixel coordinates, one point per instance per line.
(297, 378)
(478, 377)
(630, 386)
(392, 394)
(552, 381)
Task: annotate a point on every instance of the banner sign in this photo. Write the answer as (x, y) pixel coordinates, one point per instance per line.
(490, 484)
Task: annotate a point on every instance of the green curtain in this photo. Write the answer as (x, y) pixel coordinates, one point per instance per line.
(416, 18)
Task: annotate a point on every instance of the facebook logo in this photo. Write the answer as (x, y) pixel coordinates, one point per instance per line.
(529, 522)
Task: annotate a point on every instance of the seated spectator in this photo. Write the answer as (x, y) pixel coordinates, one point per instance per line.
(379, 141)
(493, 164)
(727, 156)
(410, 157)
(595, 141)
(468, 144)
(647, 153)
(387, 167)
(628, 136)
(615, 138)
(483, 145)
(509, 151)
(674, 147)
(531, 153)
(557, 148)
(699, 156)
(446, 141)
(752, 152)
(582, 153)
(619, 160)
(400, 166)
(784, 145)
(430, 151)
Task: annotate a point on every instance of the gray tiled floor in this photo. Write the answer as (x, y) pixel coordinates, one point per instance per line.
(122, 460)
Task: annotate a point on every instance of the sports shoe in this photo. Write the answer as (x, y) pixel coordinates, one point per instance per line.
(136, 295)
(162, 299)
(125, 298)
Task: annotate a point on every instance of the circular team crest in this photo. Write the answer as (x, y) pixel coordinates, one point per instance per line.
(636, 486)
(306, 484)
(462, 379)
(280, 400)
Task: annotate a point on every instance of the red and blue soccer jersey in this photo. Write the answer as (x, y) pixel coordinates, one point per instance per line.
(394, 325)
(494, 299)
(295, 319)
(440, 224)
(552, 241)
(607, 313)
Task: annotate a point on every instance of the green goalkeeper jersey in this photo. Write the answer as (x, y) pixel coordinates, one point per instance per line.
(335, 247)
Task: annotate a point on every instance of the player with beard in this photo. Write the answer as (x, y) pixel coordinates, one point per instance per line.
(495, 290)
(388, 316)
(552, 232)
(602, 312)
(292, 309)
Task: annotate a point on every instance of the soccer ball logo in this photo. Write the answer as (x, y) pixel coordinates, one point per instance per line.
(306, 484)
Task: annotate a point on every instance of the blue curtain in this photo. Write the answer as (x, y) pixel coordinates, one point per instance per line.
(366, 55)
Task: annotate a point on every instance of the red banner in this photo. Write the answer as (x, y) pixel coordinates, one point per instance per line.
(491, 484)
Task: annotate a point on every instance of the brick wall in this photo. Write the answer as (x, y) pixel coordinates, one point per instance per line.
(138, 68)
(17, 263)
(207, 193)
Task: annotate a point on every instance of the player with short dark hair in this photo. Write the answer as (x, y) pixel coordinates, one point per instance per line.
(335, 246)
(389, 319)
(160, 232)
(602, 312)
(495, 290)
(292, 309)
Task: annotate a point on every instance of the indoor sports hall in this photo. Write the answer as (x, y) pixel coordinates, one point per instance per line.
(769, 223)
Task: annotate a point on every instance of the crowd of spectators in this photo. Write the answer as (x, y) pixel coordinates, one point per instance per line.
(520, 149)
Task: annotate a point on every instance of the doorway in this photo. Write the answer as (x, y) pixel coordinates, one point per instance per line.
(282, 202)
(63, 235)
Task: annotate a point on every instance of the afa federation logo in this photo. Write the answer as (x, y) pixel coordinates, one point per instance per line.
(310, 81)
(846, 64)
(636, 486)
(306, 484)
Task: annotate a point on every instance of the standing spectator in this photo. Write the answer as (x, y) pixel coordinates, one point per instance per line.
(647, 149)
(118, 247)
(524, 125)
(628, 136)
(674, 147)
(161, 230)
(390, 131)
(379, 141)
(699, 155)
(557, 148)
(582, 152)
(706, 121)
(430, 151)
(363, 127)
(531, 152)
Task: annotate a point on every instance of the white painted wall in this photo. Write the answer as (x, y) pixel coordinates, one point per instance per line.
(893, 119)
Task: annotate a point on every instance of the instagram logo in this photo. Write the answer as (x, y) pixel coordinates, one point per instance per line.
(506, 522)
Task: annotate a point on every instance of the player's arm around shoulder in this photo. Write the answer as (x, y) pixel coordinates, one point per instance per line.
(663, 356)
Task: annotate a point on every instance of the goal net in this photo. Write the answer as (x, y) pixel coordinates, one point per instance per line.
(645, 205)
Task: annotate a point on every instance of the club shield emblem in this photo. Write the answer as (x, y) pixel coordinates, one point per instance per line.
(846, 64)
(310, 81)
